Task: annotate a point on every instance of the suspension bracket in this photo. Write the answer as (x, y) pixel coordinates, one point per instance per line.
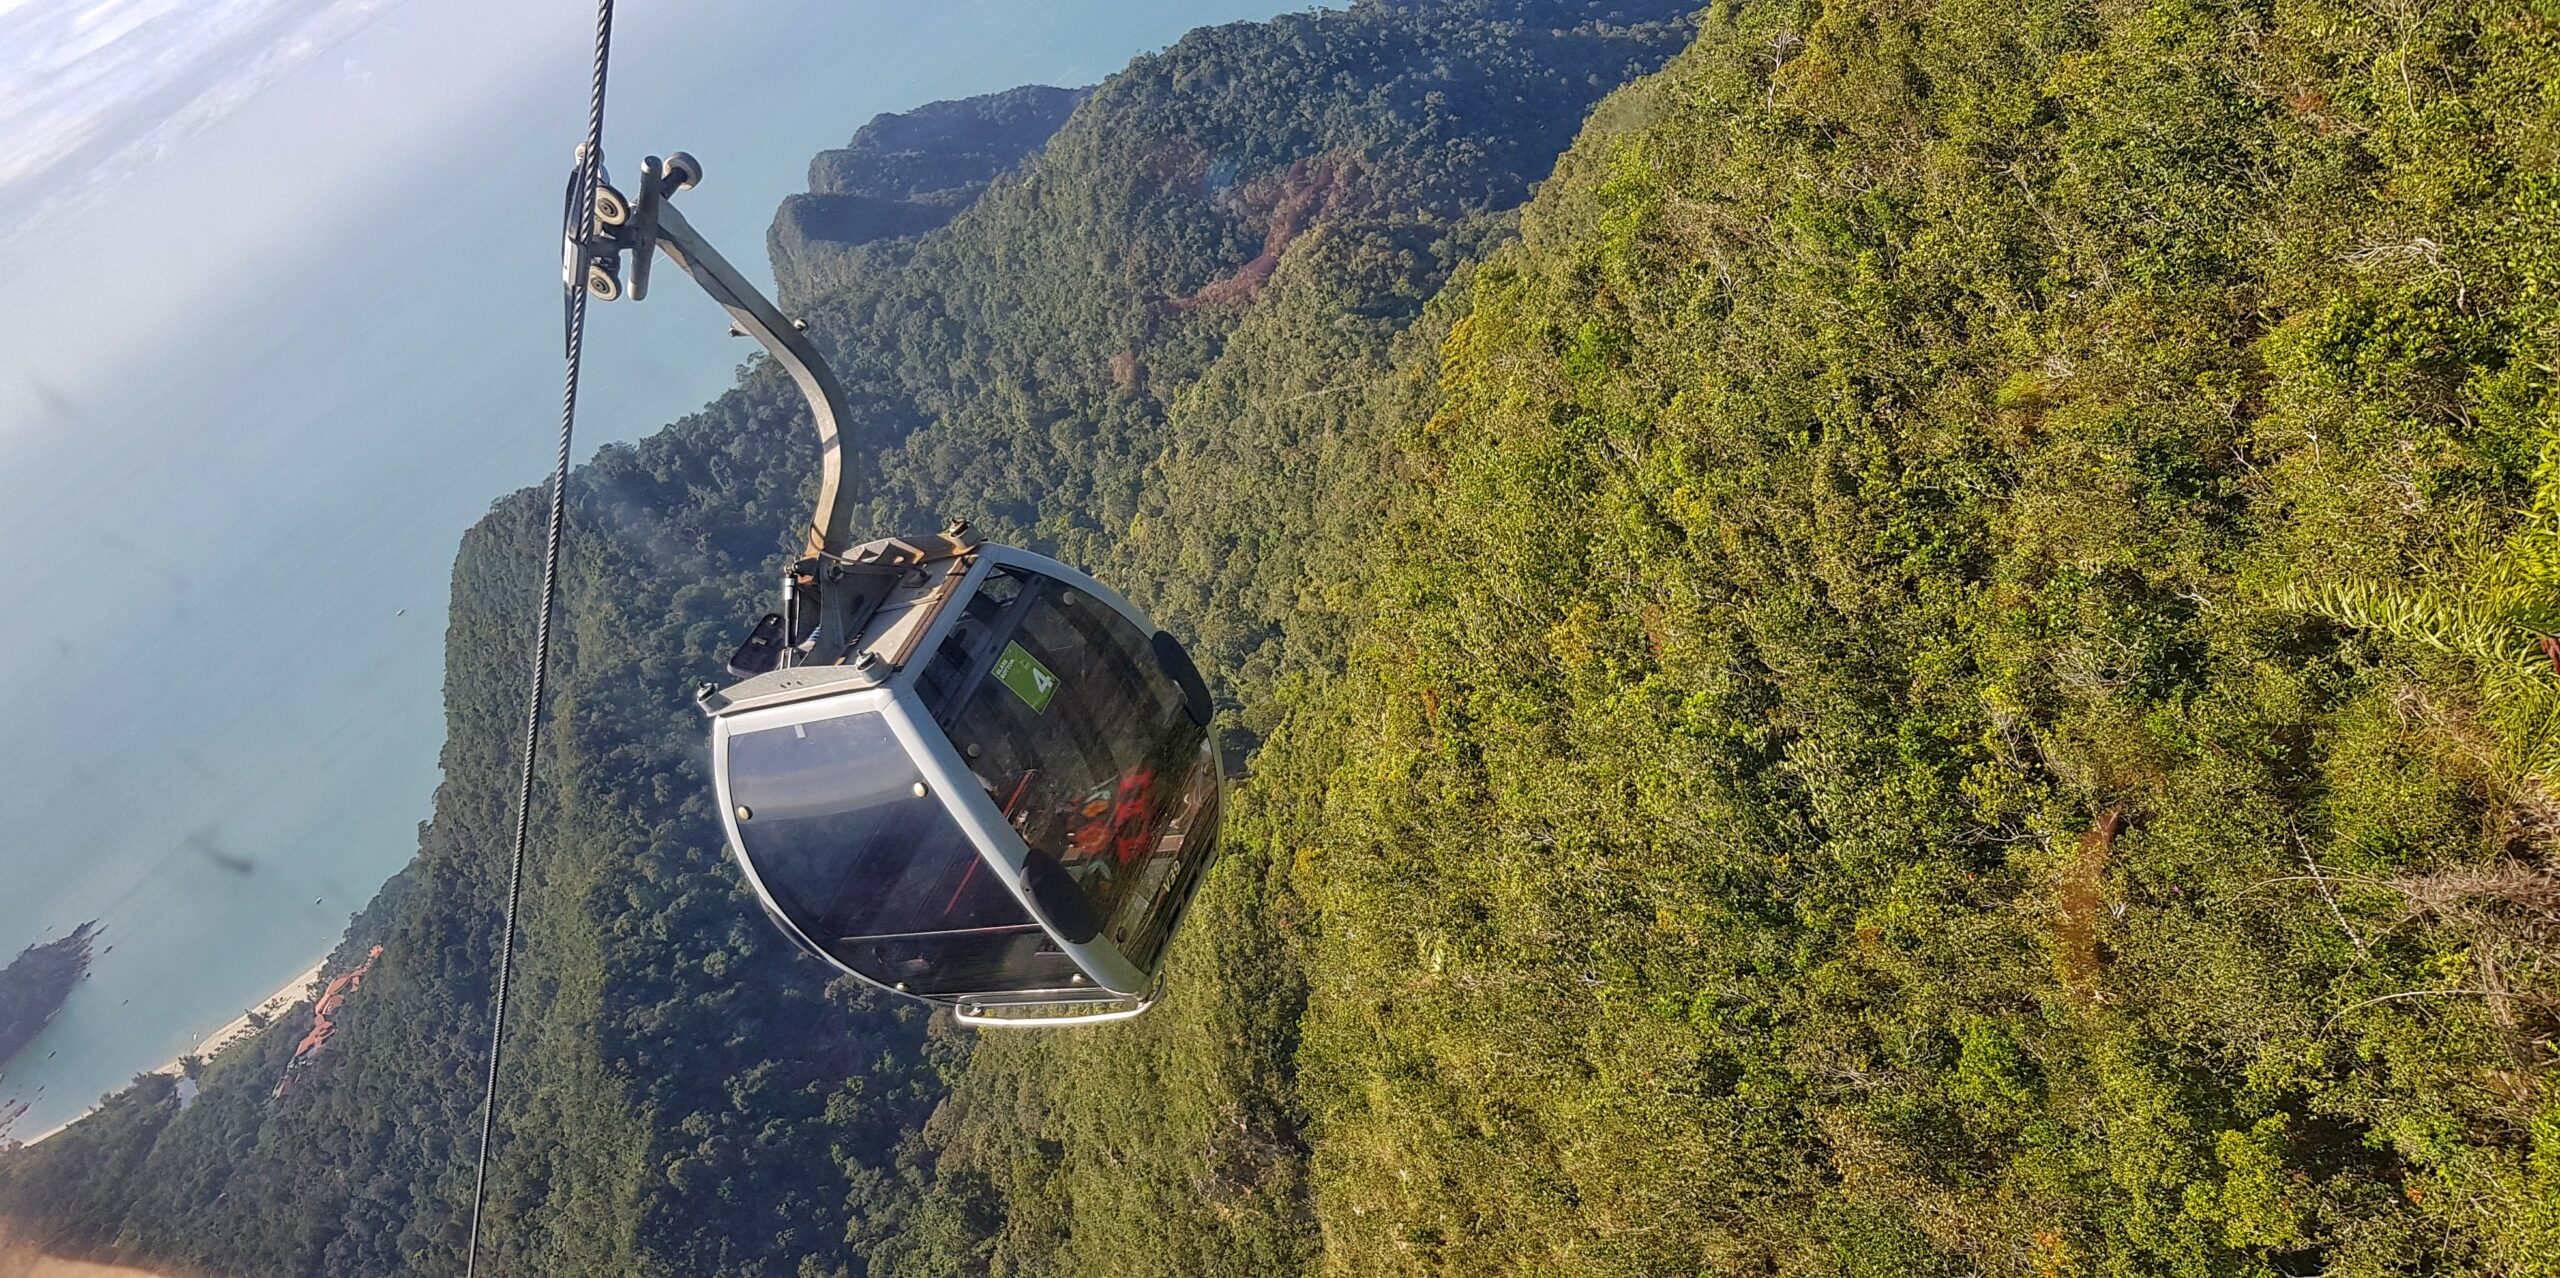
(594, 242)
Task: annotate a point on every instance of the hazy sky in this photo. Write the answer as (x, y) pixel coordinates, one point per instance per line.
(166, 164)
(279, 317)
(127, 209)
(94, 92)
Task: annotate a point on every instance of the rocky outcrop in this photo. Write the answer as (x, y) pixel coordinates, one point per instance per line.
(37, 983)
(904, 174)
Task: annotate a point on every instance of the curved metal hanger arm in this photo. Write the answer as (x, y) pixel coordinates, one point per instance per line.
(831, 528)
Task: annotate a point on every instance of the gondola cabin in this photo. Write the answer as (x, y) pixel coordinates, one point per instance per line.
(998, 794)
(960, 771)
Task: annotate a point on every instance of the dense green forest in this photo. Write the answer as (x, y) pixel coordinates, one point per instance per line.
(1932, 662)
(35, 985)
(1956, 684)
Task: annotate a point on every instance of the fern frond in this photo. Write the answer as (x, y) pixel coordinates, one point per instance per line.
(2421, 617)
(2517, 687)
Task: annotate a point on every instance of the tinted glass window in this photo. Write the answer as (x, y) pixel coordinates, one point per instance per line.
(964, 655)
(882, 878)
(1064, 714)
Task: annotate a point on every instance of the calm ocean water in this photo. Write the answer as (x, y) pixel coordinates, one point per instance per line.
(221, 648)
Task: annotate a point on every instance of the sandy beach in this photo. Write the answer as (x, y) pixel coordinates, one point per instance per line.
(40, 1266)
(241, 1026)
(22, 1259)
(232, 1031)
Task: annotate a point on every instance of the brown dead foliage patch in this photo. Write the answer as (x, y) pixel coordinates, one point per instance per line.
(2511, 898)
(2080, 901)
(1127, 374)
(1876, 1168)
(1310, 190)
(2510, 912)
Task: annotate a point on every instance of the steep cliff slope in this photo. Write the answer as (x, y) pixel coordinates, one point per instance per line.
(1958, 684)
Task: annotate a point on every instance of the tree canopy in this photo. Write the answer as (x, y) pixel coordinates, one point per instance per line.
(1929, 655)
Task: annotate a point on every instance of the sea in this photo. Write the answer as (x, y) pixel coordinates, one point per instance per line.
(223, 571)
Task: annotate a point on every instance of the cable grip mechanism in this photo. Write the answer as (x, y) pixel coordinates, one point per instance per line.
(611, 224)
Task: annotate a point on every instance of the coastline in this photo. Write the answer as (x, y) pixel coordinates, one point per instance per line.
(232, 1031)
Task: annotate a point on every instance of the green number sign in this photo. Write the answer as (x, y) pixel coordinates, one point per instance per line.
(1031, 681)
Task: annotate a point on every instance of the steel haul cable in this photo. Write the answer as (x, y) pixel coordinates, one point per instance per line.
(582, 206)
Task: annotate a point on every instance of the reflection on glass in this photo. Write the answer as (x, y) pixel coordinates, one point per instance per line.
(1063, 712)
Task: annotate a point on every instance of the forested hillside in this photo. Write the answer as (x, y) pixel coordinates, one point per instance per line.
(1935, 662)
(1956, 681)
(689, 1096)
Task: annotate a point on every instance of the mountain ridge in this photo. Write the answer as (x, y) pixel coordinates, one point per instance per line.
(907, 172)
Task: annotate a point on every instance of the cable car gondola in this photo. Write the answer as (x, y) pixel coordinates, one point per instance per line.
(961, 771)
